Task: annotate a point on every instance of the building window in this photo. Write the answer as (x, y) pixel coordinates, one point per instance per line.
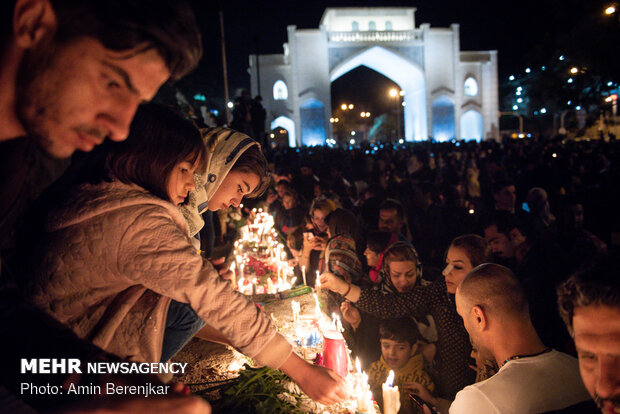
(372, 26)
(355, 26)
(388, 25)
(471, 87)
(280, 91)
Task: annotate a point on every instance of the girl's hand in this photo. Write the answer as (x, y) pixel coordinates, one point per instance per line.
(350, 314)
(333, 283)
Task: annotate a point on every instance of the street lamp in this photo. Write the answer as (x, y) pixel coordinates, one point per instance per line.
(344, 107)
(610, 10)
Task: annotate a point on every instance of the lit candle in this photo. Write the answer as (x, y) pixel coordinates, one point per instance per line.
(317, 308)
(303, 273)
(296, 308)
(270, 285)
(317, 285)
(254, 286)
(391, 396)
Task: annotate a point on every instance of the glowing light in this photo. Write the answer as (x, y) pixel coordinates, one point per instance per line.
(367, 114)
(400, 141)
(272, 135)
(554, 155)
(511, 77)
(230, 104)
(280, 90)
(471, 211)
(570, 80)
(336, 119)
(574, 70)
(363, 114)
(401, 93)
(527, 70)
(543, 68)
(610, 83)
(331, 120)
(393, 92)
(562, 57)
(352, 141)
(578, 107)
(543, 110)
(518, 93)
(569, 102)
(351, 106)
(404, 104)
(520, 100)
(610, 10)
(521, 136)
(515, 107)
(519, 88)
(353, 133)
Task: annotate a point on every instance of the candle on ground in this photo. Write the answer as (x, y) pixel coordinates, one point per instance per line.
(303, 273)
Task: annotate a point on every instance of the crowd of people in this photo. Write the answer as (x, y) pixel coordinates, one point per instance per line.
(447, 261)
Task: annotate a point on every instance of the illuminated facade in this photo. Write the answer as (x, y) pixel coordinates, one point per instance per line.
(448, 93)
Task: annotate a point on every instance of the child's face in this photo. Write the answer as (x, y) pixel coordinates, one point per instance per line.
(181, 181)
(403, 275)
(396, 353)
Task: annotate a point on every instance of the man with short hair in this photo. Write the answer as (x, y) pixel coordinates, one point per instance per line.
(73, 73)
(532, 378)
(392, 218)
(589, 303)
(504, 195)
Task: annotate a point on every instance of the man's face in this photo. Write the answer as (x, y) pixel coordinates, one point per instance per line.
(506, 198)
(72, 96)
(501, 246)
(479, 350)
(389, 221)
(597, 340)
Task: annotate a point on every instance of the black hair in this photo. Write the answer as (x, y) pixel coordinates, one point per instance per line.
(400, 330)
(377, 241)
(391, 204)
(169, 27)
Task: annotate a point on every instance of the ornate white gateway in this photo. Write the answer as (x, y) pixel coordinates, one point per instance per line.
(448, 93)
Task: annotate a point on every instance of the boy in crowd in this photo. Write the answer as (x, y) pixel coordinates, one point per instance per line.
(399, 353)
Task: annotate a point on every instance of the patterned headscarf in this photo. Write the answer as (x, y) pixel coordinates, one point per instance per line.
(224, 147)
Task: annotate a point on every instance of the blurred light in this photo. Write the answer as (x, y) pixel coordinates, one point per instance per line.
(570, 80)
(336, 119)
(578, 107)
(562, 57)
(471, 211)
(527, 70)
(574, 70)
(515, 107)
(366, 152)
(518, 93)
(519, 88)
(520, 100)
(401, 93)
(543, 110)
(367, 114)
(272, 135)
(400, 141)
(230, 104)
(363, 114)
(610, 10)
(569, 102)
(529, 135)
(610, 83)
(344, 107)
(352, 141)
(353, 133)
(554, 155)
(282, 131)
(200, 97)
(404, 104)
(543, 68)
(521, 135)
(331, 120)
(350, 106)
(511, 77)
(393, 92)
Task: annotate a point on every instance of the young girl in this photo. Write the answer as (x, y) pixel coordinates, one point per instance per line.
(119, 254)
(453, 345)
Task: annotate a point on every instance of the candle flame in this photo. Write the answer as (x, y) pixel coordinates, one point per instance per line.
(390, 379)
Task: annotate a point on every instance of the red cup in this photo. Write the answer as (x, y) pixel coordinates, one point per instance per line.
(335, 356)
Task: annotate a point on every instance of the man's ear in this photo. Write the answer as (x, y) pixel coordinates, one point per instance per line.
(33, 20)
(479, 318)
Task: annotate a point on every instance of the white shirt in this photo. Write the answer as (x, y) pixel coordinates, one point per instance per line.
(546, 382)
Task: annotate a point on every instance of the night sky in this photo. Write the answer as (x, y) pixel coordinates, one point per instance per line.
(523, 32)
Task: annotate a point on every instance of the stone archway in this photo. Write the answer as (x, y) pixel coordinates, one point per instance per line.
(289, 125)
(409, 77)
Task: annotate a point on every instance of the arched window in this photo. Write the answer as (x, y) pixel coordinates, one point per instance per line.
(280, 91)
(471, 87)
(355, 26)
(372, 26)
(388, 25)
